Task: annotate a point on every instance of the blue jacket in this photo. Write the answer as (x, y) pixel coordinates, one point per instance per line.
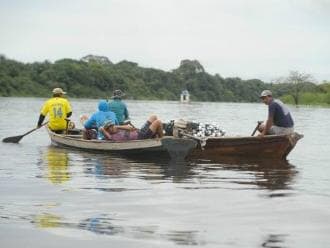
(100, 117)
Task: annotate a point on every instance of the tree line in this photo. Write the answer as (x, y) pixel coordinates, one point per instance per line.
(97, 77)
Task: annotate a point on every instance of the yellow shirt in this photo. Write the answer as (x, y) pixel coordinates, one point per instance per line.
(58, 108)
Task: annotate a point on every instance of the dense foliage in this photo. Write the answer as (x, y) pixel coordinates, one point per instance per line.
(97, 77)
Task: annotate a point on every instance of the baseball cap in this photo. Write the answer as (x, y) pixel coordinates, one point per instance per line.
(266, 93)
(58, 91)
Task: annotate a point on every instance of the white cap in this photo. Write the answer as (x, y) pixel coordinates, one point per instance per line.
(266, 93)
(58, 91)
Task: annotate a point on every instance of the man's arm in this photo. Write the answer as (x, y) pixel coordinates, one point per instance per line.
(41, 119)
(270, 120)
(269, 124)
(43, 113)
(68, 109)
(105, 133)
(126, 113)
(126, 127)
(90, 123)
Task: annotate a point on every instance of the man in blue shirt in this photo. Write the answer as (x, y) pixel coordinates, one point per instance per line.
(119, 107)
(279, 119)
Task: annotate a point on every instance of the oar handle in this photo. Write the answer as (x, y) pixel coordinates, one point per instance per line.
(255, 130)
(35, 129)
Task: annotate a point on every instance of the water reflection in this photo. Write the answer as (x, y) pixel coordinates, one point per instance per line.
(105, 225)
(162, 168)
(277, 176)
(185, 237)
(274, 241)
(111, 174)
(98, 224)
(57, 161)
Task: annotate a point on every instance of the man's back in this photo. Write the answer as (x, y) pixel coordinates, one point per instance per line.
(58, 108)
(281, 114)
(120, 109)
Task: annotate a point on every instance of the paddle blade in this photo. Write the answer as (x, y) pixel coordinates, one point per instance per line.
(13, 139)
(16, 139)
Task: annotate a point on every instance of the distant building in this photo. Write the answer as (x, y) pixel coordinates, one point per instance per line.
(185, 96)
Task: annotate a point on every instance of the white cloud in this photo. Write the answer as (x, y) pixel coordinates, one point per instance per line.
(249, 39)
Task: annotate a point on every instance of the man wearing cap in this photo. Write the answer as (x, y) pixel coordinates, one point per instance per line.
(279, 119)
(119, 107)
(59, 109)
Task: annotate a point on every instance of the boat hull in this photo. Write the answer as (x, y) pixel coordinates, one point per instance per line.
(134, 146)
(270, 147)
(266, 147)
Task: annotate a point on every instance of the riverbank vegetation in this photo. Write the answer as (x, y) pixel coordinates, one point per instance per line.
(97, 77)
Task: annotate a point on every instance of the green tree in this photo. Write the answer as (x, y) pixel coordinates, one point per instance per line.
(298, 80)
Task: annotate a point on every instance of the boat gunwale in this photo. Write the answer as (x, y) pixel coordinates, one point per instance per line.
(222, 138)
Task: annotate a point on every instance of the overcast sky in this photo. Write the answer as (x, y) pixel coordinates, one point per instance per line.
(262, 39)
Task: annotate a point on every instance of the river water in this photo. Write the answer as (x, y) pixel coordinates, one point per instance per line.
(54, 197)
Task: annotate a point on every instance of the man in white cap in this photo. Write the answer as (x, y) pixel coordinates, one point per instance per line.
(59, 109)
(279, 119)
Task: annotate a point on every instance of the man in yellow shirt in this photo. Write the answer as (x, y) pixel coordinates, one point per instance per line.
(59, 109)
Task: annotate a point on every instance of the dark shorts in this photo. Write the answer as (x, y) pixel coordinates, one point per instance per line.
(145, 132)
(90, 134)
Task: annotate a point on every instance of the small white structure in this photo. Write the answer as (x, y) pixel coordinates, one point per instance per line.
(185, 96)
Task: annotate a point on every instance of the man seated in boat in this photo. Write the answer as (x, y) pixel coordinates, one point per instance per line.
(97, 120)
(119, 107)
(59, 109)
(279, 119)
(151, 129)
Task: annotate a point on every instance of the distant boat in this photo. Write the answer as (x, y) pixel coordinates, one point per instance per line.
(185, 96)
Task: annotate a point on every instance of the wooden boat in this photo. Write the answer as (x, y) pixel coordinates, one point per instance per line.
(77, 141)
(252, 147)
(269, 147)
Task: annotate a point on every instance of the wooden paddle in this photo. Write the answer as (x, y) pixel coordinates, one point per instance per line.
(255, 130)
(16, 139)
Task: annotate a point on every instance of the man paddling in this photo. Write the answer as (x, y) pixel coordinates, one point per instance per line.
(279, 119)
(59, 109)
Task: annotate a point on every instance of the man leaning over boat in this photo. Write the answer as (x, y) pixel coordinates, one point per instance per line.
(279, 119)
(97, 120)
(152, 128)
